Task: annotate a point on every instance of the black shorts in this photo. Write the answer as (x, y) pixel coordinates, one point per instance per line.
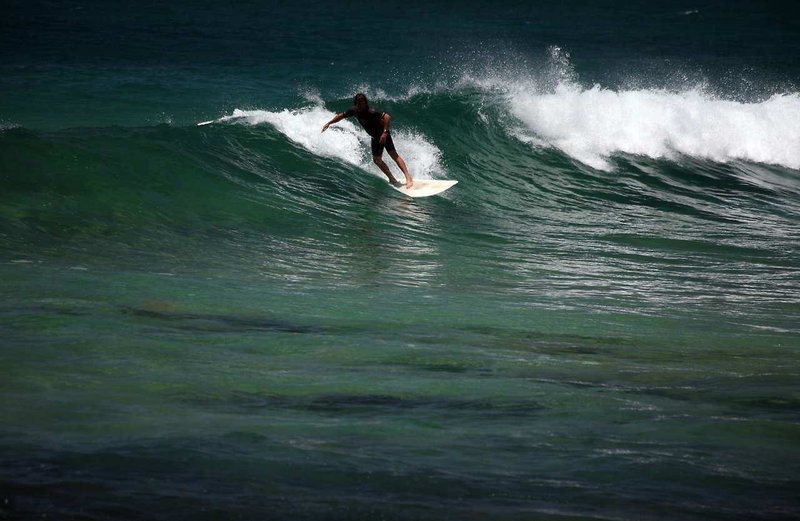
(377, 148)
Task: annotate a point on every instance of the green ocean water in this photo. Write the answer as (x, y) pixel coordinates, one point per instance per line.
(241, 320)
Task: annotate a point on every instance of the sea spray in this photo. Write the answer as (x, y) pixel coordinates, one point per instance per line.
(549, 105)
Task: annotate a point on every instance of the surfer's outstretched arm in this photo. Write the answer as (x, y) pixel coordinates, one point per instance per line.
(336, 118)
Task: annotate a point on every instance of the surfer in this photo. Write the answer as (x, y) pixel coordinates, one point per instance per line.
(377, 126)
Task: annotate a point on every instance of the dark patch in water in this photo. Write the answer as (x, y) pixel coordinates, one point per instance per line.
(347, 402)
(377, 402)
(445, 368)
(254, 403)
(572, 349)
(221, 323)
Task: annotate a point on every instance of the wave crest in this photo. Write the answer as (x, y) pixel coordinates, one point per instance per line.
(590, 125)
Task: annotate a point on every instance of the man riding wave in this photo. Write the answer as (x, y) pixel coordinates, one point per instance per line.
(377, 126)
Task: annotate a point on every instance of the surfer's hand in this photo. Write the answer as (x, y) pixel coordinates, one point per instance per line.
(383, 138)
(325, 127)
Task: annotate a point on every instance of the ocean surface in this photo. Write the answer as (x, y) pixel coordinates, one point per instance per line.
(242, 320)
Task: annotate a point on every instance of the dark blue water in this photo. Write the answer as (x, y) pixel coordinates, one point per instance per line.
(241, 320)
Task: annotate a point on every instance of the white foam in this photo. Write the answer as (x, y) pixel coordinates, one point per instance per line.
(303, 128)
(590, 125)
(344, 140)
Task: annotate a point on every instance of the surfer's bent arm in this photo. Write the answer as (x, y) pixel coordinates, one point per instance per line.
(338, 117)
(385, 120)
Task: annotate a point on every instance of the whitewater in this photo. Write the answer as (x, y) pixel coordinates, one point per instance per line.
(590, 125)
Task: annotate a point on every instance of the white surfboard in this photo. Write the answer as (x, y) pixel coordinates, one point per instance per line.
(426, 187)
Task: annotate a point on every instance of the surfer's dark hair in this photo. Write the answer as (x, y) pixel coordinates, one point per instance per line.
(359, 96)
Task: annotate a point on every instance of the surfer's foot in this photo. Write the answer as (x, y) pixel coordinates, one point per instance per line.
(409, 182)
(396, 183)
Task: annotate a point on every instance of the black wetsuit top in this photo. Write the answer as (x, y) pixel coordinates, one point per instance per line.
(370, 119)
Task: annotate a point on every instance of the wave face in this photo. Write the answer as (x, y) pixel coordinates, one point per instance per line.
(592, 174)
(210, 309)
(593, 125)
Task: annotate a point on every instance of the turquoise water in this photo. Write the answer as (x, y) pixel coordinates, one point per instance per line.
(241, 320)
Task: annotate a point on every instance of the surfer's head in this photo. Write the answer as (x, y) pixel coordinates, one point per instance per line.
(360, 101)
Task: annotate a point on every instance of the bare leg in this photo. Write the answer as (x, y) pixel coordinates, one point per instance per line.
(384, 168)
(403, 167)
